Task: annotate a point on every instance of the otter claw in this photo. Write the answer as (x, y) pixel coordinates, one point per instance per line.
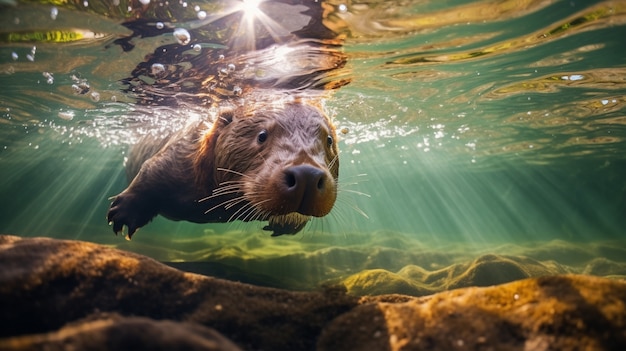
(127, 214)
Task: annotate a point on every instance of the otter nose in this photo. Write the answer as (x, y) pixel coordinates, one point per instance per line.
(306, 189)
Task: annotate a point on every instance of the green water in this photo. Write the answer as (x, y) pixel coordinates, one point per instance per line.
(469, 123)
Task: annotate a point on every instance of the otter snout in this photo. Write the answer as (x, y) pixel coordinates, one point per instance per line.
(307, 190)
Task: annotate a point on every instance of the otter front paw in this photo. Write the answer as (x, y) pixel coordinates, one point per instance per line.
(279, 229)
(130, 210)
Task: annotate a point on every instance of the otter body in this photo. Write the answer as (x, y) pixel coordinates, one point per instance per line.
(277, 164)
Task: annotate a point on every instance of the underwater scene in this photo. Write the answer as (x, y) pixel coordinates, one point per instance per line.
(480, 142)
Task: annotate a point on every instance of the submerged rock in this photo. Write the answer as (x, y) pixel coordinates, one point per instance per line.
(115, 332)
(57, 294)
(548, 313)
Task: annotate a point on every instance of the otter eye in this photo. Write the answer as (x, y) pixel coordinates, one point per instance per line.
(329, 141)
(262, 136)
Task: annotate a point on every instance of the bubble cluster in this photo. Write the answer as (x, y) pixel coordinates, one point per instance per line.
(49, 77)
(80, 86)
(182, 36)
(31, 56)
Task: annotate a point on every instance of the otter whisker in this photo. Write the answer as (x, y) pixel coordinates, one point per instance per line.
(354, 192)
(225, 203)
(355, 207)
(226, 190)
(249, 213)
(231, 182)
(231, 187)
(254, 212)
(221, 193)
(237, 214)
(240, 213)
(234, 202)
(260, 215)
(345, 180)
(333, 161)
(234, 172)
(342, 187)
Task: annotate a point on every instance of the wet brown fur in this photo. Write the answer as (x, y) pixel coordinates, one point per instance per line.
(223, 173)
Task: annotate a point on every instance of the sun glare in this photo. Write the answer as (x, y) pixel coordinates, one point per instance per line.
(252, 15)
(251, 9)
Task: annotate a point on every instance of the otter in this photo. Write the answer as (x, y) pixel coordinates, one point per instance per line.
(270, 154)
(278, 164)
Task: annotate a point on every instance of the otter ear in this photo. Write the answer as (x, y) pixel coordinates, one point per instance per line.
(225, 115)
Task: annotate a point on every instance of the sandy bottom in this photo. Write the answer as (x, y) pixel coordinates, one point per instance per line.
(73, 295)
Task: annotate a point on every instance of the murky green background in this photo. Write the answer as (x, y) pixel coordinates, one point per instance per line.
(470, 125)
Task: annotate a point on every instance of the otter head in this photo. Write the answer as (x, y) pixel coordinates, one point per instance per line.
(278, 164)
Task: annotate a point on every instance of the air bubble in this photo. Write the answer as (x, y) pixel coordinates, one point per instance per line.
(157, 69)
(66, 115)
(237, 90)
(231, 67)
(342, 8)
(54, 12)
(201, 15)
(196, 8)
(197, 47)
(182, 36)
(14, 56)
(30, 57)
(144, 2)
(159, 25)
(95, 96)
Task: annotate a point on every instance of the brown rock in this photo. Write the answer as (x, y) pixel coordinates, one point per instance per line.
(47, 283)
(57, 294)
(114, 332)
(549, 313)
